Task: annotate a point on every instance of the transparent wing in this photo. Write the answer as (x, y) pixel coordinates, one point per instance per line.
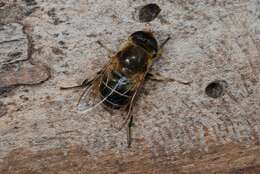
(91, 98)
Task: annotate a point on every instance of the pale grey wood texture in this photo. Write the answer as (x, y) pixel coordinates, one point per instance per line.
(180, 128)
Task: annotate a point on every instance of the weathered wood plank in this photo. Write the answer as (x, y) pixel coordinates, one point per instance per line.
(211, 126)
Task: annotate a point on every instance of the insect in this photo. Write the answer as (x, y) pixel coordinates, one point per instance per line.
(120, 81)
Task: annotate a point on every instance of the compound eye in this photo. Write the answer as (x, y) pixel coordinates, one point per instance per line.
(145, 40)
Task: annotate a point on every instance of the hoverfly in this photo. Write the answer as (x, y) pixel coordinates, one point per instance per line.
(120, 81)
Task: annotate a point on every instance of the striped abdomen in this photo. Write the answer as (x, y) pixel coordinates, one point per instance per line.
(115, 90)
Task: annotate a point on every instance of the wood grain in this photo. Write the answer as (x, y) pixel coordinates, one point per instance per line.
(177, 128)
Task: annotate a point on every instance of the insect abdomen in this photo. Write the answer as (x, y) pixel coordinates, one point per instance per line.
(115, 90)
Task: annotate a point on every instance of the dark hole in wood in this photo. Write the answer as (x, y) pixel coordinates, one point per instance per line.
(2, 4)
(216, 88)
(30, 2)
(61, 42)
(3, 109)
(149, 12)
(51, 12)
(5, 89)
(15, 54)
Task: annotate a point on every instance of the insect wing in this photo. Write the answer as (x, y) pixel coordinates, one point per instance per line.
(90, 96)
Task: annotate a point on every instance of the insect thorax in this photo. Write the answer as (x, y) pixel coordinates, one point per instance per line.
(133, 59)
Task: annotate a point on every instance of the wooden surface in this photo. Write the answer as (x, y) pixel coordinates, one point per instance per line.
(209, 126)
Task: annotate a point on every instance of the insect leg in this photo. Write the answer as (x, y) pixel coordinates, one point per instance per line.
(129, 118)
(129, 111)
(129, 133)
(111, 52)
(85, 83)
(160, 78)
(164, 42)
(159, 53)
